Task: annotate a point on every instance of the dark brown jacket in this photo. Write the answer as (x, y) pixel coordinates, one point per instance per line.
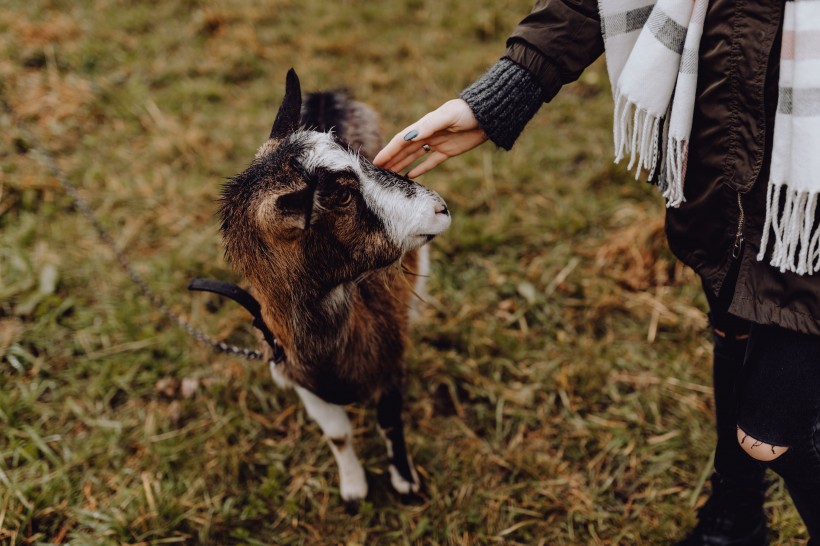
(729, 149)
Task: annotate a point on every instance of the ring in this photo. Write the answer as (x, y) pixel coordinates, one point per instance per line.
(426, 148)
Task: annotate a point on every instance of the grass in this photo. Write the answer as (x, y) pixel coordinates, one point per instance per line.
(560, 381)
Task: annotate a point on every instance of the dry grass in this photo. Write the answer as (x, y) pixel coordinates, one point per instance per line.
(559, 391)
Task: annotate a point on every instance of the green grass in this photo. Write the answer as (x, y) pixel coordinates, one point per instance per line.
(559, 382)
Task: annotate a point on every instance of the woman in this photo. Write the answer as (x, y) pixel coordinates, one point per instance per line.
(766, 319)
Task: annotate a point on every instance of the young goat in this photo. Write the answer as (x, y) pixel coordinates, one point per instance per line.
(331, 246)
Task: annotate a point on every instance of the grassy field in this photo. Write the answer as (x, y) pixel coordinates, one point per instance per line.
(559, 386)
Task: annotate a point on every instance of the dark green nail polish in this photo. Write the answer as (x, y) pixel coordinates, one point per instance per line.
(411, 135)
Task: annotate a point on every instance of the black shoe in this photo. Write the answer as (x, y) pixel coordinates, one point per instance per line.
(733, 516)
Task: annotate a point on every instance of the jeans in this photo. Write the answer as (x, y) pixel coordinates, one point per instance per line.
(767, 382)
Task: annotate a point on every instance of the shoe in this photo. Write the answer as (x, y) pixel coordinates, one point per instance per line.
(733, 516)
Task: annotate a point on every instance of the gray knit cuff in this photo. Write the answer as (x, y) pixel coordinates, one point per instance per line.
(503, 100)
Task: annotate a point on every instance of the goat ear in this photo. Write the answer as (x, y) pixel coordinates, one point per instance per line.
(296, 208)
(287, 119)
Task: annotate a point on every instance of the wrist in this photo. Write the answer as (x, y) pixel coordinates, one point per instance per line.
(503, 101)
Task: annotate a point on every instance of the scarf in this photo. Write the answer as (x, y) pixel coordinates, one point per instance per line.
(652, 60)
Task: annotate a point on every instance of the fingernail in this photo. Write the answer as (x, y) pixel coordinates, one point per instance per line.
(411, 135)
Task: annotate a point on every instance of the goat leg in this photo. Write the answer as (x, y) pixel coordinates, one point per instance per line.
(403, 474)
(336, 427)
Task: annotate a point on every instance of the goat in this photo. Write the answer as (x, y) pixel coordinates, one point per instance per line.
(332, 245)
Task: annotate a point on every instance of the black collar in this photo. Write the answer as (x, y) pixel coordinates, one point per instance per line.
(243, 298)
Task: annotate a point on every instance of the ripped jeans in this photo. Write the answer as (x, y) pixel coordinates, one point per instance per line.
(767, 383)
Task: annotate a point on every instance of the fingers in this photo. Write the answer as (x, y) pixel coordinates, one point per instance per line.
(445, 146)
(411, 153)
(404, 157)
(409, 140)
(398, 148)
(442, 146)
(450, 130)
(408, 156)
(434, 160)
(394, 155)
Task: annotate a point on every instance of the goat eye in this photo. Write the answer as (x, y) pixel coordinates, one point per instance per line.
(344, 197)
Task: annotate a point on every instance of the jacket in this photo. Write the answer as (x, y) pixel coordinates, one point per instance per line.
(719, 226)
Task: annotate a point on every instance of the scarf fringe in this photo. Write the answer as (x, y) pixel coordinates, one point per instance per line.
(638, 135)
(790, 216)
(677, 152)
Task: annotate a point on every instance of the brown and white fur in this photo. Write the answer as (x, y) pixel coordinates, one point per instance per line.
(332, 248)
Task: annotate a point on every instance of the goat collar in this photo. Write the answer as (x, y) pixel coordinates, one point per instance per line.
(243, 298)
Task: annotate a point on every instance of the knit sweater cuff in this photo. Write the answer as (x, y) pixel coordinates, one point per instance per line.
(503, 100)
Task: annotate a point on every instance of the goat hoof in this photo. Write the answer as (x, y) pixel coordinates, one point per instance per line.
(352, 506)
(403, 485)
(411, 499)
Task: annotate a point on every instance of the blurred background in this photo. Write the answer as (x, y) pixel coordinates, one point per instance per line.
(559, 388)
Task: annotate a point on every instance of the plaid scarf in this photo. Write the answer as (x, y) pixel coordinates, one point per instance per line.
(652, 59)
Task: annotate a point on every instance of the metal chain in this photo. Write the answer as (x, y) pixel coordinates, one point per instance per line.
(51, 164)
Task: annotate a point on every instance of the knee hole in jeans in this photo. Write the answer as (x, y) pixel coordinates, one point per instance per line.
(736, 337)
(757, 449)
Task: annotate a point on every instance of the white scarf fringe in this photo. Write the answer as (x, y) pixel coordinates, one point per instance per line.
(645, 42)
(637, 133)
(790, 217)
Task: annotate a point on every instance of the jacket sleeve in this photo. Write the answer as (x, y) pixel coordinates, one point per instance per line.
(549, 48)
(557, 41)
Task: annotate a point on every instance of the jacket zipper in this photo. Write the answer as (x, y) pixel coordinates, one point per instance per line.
(740, 222)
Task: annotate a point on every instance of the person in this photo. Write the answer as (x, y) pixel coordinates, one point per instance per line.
(726, 222)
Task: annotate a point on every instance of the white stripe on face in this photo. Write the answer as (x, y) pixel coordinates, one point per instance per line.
(402, 215)
(406, 215)
(321, 151)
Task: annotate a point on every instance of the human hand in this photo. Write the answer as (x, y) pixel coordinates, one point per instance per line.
(449, 131)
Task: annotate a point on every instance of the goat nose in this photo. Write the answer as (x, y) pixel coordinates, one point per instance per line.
(441, 208)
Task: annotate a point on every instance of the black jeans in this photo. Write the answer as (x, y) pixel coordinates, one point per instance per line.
(767, 382)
